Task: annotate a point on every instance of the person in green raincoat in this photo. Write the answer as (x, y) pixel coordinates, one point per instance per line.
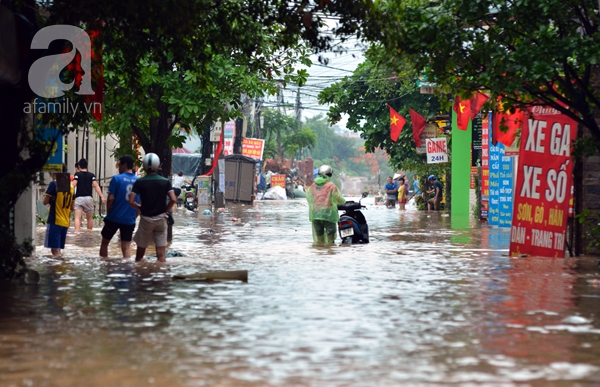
(323, 198)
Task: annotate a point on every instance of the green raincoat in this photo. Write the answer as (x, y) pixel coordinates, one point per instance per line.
(323, 198)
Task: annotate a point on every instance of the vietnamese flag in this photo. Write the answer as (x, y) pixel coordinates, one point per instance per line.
(462, 109)
(396, 124)
(477, 102)
(506, 124)
(418, 124)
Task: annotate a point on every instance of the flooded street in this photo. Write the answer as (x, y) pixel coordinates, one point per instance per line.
(422, 304)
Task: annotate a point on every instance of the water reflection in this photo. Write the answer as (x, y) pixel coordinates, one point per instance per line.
(422, 304)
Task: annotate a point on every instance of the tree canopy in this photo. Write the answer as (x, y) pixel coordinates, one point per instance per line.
(365, 96)
(528, 52)
(138, 37)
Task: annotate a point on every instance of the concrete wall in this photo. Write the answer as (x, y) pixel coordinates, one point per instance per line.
(587, 198)
(25, 221)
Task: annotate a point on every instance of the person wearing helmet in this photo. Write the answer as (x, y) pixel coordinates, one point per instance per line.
(434, 202)
(153, 190)
(323, 198)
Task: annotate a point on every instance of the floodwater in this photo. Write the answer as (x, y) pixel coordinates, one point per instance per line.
(421, 305)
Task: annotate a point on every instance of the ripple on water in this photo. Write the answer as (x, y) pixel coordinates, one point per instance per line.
(422, 304)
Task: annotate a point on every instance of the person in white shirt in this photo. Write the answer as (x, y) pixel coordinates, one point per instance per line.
(178, 181)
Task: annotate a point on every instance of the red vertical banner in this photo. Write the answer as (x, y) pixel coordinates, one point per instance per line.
(474, 172)
(485, 164)
(544, 181)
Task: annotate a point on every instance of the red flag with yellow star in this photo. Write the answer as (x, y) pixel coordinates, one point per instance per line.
(462, 109)
(396, 124)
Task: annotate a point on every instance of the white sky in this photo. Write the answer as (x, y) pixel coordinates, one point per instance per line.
(321, 76)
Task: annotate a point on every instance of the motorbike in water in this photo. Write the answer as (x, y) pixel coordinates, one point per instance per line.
(188, 196)
(352, 225)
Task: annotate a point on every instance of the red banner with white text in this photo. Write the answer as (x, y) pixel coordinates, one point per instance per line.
(253, 147)
(544, 180)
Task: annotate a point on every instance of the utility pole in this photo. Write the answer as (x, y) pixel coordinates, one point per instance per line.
(280, 101)
(259, 118)
(299, 108)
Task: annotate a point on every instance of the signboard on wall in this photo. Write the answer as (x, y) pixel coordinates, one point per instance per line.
(253, 147)
(544, 180)
(278, 180)
(476, 144)
(228, 137)
(436, 150)
(485, 164)
(505, 185)
(494, 185)
(430, 131)
(49, 135)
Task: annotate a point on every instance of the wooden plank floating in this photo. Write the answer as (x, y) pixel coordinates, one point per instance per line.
(232, 275)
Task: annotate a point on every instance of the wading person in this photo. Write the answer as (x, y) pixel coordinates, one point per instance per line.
(119, 214)
(416, 186)
(59, 195)
(178, 181)
(434, 202)
(84, 182)
(154, 192)
(401, 194)
(391, 190)
(323, 198)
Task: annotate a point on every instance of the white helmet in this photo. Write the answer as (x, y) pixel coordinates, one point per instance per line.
(151, 162)
(325, 170)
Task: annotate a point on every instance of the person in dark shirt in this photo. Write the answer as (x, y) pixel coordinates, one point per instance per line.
(84, 182)
(434, 202)
(154, 191)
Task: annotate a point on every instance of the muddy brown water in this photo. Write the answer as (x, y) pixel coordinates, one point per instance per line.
(422, 305)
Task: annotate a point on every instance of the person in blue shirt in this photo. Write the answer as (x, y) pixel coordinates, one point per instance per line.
(119, 214)
(416, 186)
(391, 190)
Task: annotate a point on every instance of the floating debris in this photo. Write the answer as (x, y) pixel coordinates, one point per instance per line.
(234, 275)
(171, 254)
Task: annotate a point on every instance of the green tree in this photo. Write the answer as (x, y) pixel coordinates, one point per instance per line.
(298, 140)
(183, 35)
(363, 97)
(333, 149)
(324, 148)
(277, 127)
(528, 52)
(168, 100)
